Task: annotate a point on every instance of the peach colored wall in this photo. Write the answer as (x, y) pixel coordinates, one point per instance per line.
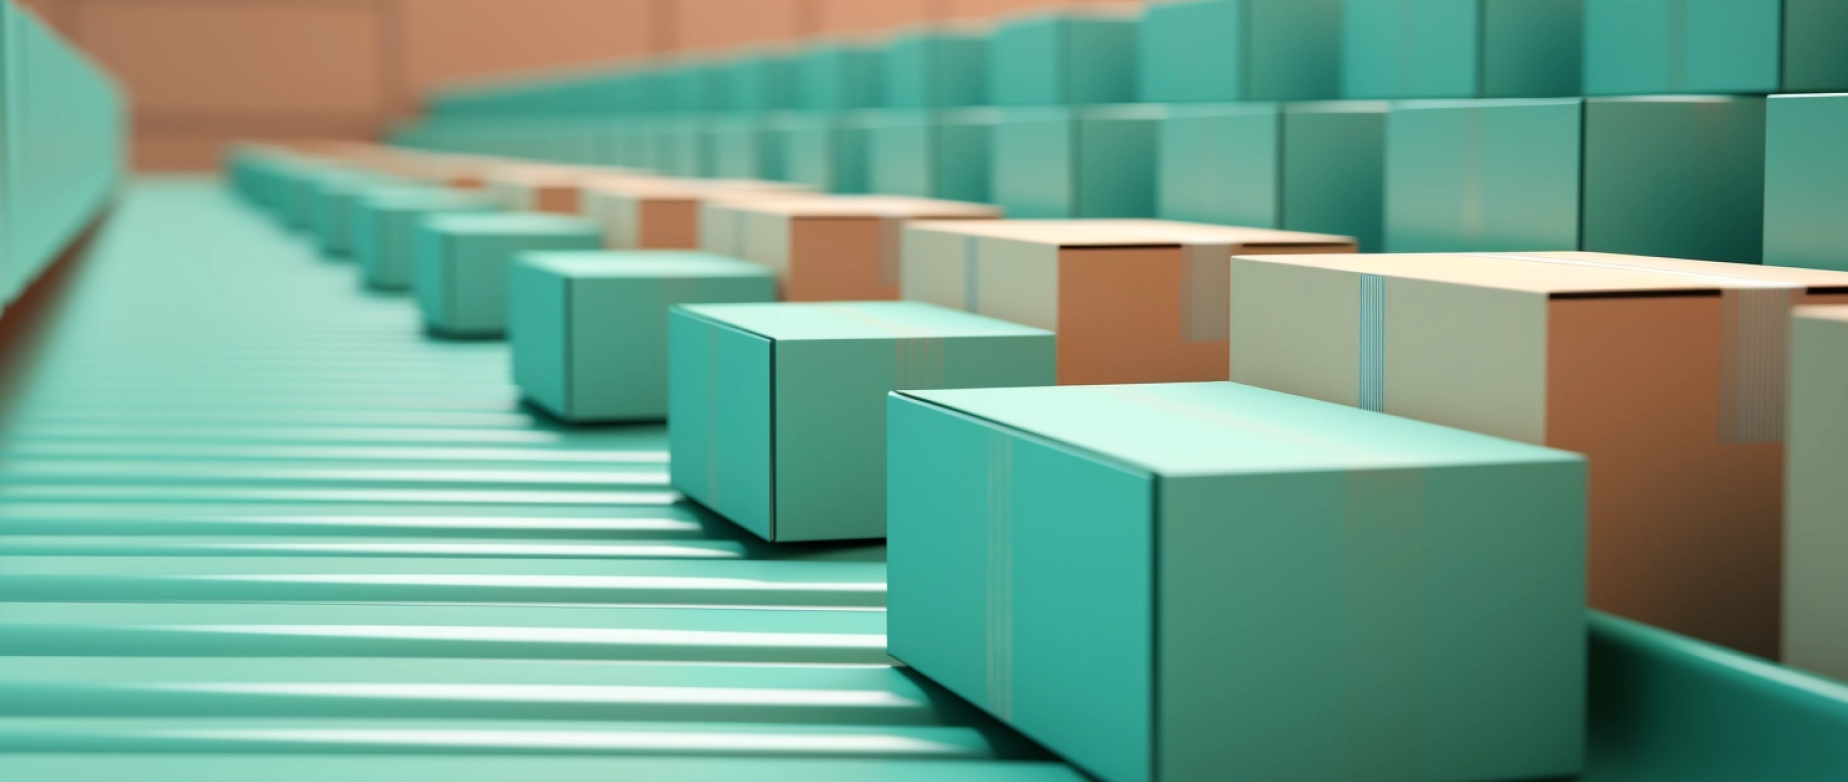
(204, 71)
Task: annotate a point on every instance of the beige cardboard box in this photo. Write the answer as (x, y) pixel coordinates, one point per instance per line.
(827, 248)
(1668, 374)
(1815, 518)
(662, 213)
(526, 187)
(1133, 301)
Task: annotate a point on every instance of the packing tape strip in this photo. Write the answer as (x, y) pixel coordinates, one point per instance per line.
(1372, 394)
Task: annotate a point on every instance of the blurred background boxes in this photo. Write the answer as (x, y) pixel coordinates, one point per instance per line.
(384, 222)
(589, 328)
(837, 75)
(778, 410)
(827, 150)
(831, 249)
(933, 153)
(1461, 48)
(1133, 301)
(1667, 374)
(936, 67)
(1816, 531)
(461, 263)
(1240, 50)
(1679, 177)
(1806, 181)
(761, 80)
(1214, 581)
(1635, 47)
(1317, 167)
(662, 213)
(1077, 54)
(1057, 162)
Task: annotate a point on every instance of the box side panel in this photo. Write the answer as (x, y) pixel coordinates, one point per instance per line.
(430, 274)
(1116, 166)
(1296, 329)
(1220, 169)
(830, 437)
(668, 225)
(1500, 178)
(1033, 175)
(1632, 47)
(1102, 60)
(1815, 616)
(902, 158)
(719, 428)
(1472, 358)
(1026, 66)
(1814, 58)
(1806, 182)
(961, 160)
(836, 260)
(1333, 176)
(1123, 318)
(1014, 281)
(1193, 51)
(1732, 45)
(1294, 50)
(539, 332)
(618, 349)
(1532, 48)
(932, 268)
(1677, 179)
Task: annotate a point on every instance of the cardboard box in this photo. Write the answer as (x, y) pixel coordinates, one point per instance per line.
(1078, 54)
(1462, 48)
(758, 81)
(1214, 581)
(1635, 47)
(331, 196)
(1667, 374)
(662, 213)
(547, 188)
(384, 227)
(933, 153)
(836, 75)
(1060, 162)
(1806, 181)
(1679, 177)
(461, 263)
(1816, 528)
(589, 328)
(1240, 50)
(843, 248)
(1317, 167)
(1133, 301)
(937, 67)
(826, 150)
(777, 411)
(744, 145)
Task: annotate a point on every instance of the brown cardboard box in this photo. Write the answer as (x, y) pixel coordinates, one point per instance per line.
(1133, 301)
(532, 187)
(1668, 374)
(827, 248)
(662, 213)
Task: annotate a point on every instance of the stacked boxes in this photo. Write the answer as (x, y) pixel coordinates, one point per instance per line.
(777, 412)
(1806, 181)
(1462, 48)
(1816, 528)
(1072, 56)
(1304, 167)
(589, 329)
(1667, 374)
(1699, 46)
(384, 226)
(839, 75)
(1054, 162)
(331, 198)
(461, 263)
(933, 153)
(827, 249)
(661, 213)
(1133, 301)
(537, 188)
(1240, 50)
(936, 68)
(1213, 581)
(826, 150)
(1678, 177)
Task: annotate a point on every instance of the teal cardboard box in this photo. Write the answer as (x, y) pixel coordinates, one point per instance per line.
(1462, 48)
(384, 224)
(1076, 162)
(1317, 167)
(1806, 181)
(826, 150)
(1673, 177)
(934, 67)
(1238, 50)
(762, 81)
(777, 413)
(589, 328)
(331, 199)
(839, 75)
(932, 153)
(1215, 581)
(1639, 47)
(742, 146)
(1074, 55)
(461, 263)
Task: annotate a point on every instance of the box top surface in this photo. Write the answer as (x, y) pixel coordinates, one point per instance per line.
(511, 222)
(1838, 312)
(434, 197)
(870, 206)
(541, 175)
(858, 320)
(1196, 429)
(1567, 272)
(688, 189)
(642, 264)
(1128, 232)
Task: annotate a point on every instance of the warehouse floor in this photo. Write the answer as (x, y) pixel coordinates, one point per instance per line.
(248, 509)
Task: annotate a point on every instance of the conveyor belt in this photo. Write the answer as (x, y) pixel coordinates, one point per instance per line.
(248, 510)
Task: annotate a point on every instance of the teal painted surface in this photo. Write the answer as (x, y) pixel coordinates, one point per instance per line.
(1334, 165)
(461, 264)
(1232, 50)
(1498, 176)
(930, 68)
(1714, 46)
(782, 405)
(1806, 182)
(839, 76)
(331, 224)
(1679, 179)
(1061, 163)
(1461, 48)
(589, 329)
(1153, 641)
(933, 154)
(1063, 58)
(384, 224)
(825, 150)
(757, 82)
(741, 146)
